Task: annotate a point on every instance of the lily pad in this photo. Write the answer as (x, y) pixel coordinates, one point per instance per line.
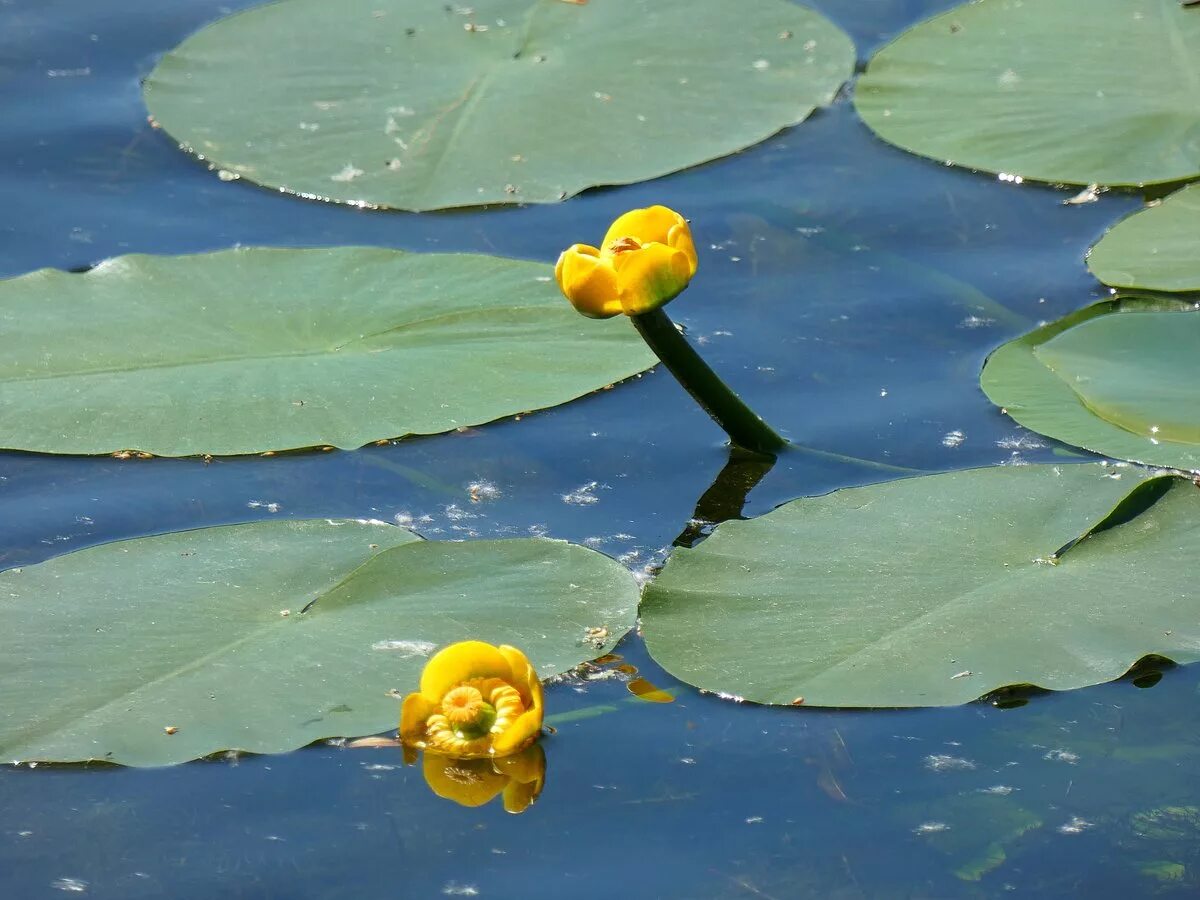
(936, 590)
(259, 349)
(1118, 378)
(266, 637)
(395, 103)
(1036, 91)
(1154, 249)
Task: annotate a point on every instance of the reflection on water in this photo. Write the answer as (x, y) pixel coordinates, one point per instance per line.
(474, 782)
(848, 291)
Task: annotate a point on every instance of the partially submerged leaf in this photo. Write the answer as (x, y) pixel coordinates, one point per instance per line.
(1154, 249)
(202, 631)
(394, 103)
(1119, 378)
(259, 349)
(933, 591)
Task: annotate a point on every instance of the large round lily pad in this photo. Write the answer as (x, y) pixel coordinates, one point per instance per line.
(1107, 93)
(204, 634)
(261, 349)
(936, 590)
(1117, 378)
(423, 105)
(1155, 249)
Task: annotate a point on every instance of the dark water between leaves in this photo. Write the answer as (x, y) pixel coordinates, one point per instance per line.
(851, 291)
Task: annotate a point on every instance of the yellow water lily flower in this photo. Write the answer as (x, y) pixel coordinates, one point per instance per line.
(474, 782)
(475, 701)
(647, 257)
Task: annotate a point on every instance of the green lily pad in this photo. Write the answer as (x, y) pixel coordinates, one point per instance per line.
(1043, 90)
(1154, 249)
(395, 103)
(936, 590)
(266, 637)
(1118, 378)
(259, 349)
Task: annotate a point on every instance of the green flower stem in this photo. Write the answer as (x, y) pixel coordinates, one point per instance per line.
(744, 427)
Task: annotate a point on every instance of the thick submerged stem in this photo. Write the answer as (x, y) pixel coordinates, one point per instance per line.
(745, 427)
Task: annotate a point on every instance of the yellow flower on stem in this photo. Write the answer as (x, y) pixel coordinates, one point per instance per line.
(475, 701)
(647, 257)
(474, 782)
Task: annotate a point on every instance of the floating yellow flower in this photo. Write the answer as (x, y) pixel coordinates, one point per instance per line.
(646, 259)
(474, 782)
(476, 700)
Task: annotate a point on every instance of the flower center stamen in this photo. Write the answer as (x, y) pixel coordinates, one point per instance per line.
(462, 705)
(624, 245)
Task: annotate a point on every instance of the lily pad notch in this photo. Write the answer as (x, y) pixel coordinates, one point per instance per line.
(937, 590)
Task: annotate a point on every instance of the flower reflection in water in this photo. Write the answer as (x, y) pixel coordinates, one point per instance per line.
(475, 782)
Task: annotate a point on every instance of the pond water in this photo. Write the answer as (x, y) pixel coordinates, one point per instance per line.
(849, 290)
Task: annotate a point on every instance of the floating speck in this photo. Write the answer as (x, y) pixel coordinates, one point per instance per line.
(1065, 756)
(583, 495)
(348, 173)
(953, 439)
(941, 762)
(73, 885)
(1076, 825)
(976, 322)
(454, 889)
(931, 828)
(405, 649)
(761, 64)
(999, 790)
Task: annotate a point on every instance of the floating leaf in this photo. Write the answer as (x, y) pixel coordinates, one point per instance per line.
(1034, 90)
(425, 105)
(936, 590)
(266, 637)
(263, 349)
(1154, 249)
(1117, 378)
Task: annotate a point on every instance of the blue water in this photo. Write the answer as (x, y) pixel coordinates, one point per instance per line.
(849, 290)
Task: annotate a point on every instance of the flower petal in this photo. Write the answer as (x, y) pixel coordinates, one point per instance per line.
(520, 734)
(680, 237)
(523, 673)
(651, 276)
(588, 281)
(650, 225)
(416, 709)
(461, 662)
(468, 782)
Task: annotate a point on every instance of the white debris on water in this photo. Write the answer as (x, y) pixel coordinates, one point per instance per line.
(405, 649)
(953, 439)
(1076, 825)
(931, 828)
(942, 762)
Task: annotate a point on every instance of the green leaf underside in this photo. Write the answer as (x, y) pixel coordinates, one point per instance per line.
(259, 349)
(886, 595)
(415, 105)
(1154, 249)
(1030, 89)
(1118, 378)
(103, 649)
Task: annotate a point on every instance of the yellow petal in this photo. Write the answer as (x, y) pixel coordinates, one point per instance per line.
(519, 734)
(461, 662)
(651, 276)
(650, 225)
(680, 237)
(588, 281)
(416, 709)
(523, 673)
(468, 782)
